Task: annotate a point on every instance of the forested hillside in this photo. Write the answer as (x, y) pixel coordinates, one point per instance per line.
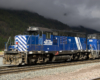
(13, 22)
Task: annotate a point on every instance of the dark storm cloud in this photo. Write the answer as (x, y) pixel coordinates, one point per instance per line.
(71, 12)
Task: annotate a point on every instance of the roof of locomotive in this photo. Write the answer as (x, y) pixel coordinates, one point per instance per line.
(70, 31)
(60, 32)
(33, 28)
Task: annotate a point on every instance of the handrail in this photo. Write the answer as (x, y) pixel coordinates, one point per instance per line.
(8, 42)
(28, 38)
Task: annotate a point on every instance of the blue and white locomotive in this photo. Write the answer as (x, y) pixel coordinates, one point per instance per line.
(41, 45)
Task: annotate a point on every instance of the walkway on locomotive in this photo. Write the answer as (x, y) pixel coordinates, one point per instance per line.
(44, 39)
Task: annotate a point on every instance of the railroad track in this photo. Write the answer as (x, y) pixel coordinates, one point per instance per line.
(7, 70)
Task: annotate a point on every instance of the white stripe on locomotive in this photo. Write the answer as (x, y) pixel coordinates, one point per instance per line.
(22, 39)
(21, 43)
(19, 49)
(77, 43)
(21, 46)
(80, 43)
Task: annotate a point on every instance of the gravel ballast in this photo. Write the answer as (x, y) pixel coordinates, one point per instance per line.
(45, 72)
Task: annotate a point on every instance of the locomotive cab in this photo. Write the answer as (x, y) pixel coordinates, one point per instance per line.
(40, 38)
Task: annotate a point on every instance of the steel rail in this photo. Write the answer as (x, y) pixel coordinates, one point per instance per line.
(43, 66)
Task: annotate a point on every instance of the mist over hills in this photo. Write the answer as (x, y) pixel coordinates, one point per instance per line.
(14, 22)
(84, 29)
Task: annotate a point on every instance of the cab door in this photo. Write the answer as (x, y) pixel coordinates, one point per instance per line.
(48, 39)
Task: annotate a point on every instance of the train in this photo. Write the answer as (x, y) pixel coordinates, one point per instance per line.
(42, 45)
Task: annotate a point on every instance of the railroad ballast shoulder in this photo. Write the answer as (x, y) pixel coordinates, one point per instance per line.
(41, 45)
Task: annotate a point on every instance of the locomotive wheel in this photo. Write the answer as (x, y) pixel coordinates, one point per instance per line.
(91, 56)
(71, 57)
(75, 57)
(46, 60)
(40, 59)
(82, 56)
(31, 61)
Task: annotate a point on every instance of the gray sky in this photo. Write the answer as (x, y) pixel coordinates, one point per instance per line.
(71, 12)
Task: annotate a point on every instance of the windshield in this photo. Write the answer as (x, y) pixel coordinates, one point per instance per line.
(33, 32)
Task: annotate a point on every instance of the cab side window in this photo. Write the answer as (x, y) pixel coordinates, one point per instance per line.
(48, 35)
(40, 33)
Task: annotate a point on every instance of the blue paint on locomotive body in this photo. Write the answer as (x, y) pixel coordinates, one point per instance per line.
(54, 43)
(57, 43)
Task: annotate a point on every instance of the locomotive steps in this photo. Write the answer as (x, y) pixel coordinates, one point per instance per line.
(5, 70)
